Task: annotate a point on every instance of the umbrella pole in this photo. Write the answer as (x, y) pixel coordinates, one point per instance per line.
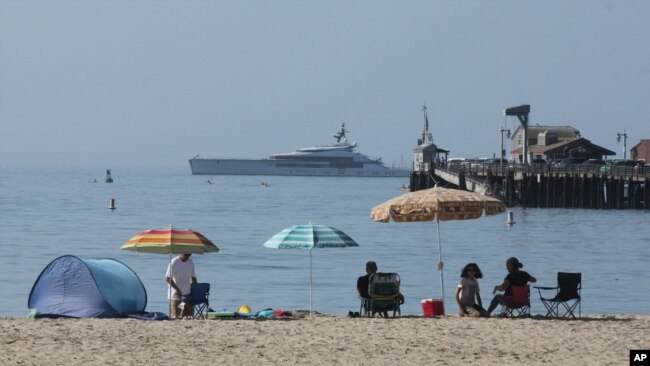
(171, 271)
(169, 285)
(310, 283)
(440, 267)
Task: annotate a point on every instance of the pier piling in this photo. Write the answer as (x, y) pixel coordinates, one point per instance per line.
(542, 186)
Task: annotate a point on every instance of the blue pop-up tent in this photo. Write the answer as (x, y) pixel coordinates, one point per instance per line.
(87, 288)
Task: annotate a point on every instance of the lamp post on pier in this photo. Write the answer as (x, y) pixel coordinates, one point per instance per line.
(618, 138)
(502, 130)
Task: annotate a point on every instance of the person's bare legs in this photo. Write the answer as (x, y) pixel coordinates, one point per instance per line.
(494, 303)
(188, 310)
(174, 309)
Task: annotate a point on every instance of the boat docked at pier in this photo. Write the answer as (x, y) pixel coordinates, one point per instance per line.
(336, 160)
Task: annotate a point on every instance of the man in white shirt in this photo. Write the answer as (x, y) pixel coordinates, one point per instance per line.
(180, 277)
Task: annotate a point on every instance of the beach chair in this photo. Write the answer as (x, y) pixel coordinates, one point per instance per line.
(567, 294)
(383, 289)
(199, 295)
(364, 309)
(518, 304)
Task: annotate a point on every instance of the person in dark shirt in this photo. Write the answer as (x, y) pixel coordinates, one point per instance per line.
(362, 285)
(514, 277)
(362, 282)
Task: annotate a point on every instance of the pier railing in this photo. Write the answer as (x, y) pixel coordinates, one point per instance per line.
(617, 171)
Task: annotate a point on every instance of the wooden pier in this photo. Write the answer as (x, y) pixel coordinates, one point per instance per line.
(598, 187)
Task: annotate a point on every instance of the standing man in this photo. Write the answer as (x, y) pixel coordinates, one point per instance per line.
(180, 277)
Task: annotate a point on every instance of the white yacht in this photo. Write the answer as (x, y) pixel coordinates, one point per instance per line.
(338, 159)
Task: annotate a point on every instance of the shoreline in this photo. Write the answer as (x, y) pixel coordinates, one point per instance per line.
(325, 340)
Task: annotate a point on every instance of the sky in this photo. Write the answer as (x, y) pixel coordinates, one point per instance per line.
(111, 84)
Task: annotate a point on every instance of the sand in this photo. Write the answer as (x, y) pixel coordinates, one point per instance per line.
(325, 340)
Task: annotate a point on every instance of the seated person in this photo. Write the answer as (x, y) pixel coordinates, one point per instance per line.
(363, 283)
(514, 277)
(468, 295)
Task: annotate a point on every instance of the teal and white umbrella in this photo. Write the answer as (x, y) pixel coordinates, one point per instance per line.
(310, 236)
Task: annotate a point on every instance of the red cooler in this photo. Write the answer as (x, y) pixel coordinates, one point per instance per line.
(432, 307)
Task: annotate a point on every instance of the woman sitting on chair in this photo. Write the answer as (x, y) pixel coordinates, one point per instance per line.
(514, 277)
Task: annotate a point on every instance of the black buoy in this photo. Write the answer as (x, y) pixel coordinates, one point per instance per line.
(111, 204)
(109, 179)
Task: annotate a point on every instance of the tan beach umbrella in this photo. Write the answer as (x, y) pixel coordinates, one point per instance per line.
(437, 203)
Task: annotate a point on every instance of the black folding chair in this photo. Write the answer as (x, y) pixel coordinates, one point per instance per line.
(567, 294)
(199, 300)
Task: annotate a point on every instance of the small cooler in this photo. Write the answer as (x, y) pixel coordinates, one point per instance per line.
(433, 307)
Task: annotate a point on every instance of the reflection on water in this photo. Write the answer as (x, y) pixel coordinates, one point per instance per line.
(48, 213)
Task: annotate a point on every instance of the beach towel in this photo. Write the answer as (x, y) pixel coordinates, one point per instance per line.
(148, 316)
(221, 314)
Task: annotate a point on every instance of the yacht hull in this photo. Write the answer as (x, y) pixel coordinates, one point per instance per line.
(207, 166)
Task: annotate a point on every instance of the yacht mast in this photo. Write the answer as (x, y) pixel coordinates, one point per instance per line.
(341, 134)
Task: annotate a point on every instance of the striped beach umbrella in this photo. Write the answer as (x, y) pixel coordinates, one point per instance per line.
(310, 236)
(170, 241)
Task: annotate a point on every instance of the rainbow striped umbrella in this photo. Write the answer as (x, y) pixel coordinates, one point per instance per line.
(170, 241)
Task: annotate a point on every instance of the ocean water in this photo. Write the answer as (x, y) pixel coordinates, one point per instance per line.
(46, 213)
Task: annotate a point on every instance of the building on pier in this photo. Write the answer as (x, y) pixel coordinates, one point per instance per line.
(426, 155)
(555, 142)
(641, 151)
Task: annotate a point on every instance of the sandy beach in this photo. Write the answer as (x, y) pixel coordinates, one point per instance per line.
(325, 340)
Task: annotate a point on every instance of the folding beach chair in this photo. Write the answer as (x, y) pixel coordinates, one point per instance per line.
(567, 294)
(517, 305)
(199, 299)
(364, 309)
(383, 289)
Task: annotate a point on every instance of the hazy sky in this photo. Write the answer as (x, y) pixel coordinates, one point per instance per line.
(111, 84)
